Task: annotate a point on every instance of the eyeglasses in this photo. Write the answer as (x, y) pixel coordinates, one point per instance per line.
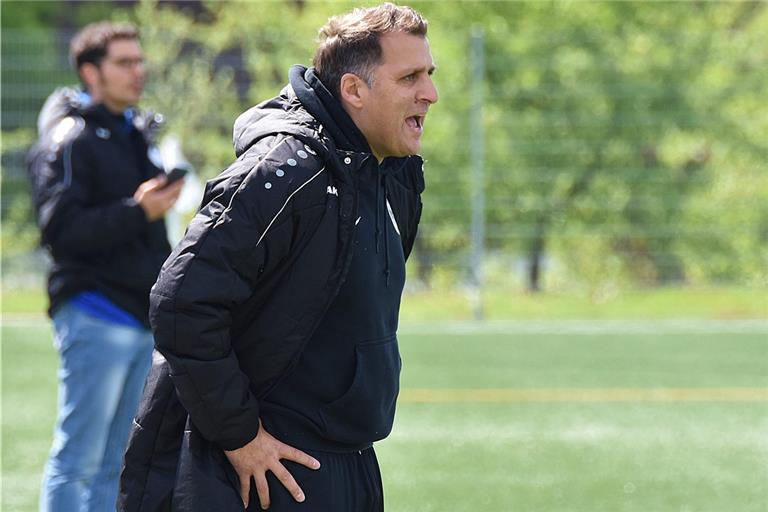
(127, 62)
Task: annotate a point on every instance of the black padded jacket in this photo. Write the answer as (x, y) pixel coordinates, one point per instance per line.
(242, 293)
(84, 170)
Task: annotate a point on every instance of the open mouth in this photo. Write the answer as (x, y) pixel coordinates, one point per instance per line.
(416, 122)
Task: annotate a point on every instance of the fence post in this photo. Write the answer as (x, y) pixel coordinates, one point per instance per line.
(477, 156)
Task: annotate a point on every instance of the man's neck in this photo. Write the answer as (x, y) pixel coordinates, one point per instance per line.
(117, 109)
(352, 115)
(111, 106)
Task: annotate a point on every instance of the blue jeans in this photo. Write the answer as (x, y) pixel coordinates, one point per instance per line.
(101, 378)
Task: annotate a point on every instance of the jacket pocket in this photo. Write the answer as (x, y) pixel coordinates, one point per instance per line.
(366, 411)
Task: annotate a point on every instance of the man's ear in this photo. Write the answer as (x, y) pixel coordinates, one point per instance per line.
(351, 90)
(89, 73)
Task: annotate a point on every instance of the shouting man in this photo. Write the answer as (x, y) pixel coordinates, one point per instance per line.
(277, 314)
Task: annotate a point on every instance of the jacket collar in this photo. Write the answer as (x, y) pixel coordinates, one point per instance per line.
(324, 107)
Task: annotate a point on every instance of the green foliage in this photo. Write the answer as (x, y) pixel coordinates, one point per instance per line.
(196, 57)
(609, 130)
(197, 100)
(19, 233)
(30, 15)
(624, 141)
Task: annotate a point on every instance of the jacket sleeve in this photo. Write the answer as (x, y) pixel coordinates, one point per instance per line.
(215, 268)
(70, 220)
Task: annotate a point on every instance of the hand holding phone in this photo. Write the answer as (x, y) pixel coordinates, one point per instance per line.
(174, 175)
(157, 195)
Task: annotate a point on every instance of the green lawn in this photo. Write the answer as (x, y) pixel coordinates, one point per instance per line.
(515, 455)
(577, 457)
(439, 305)
(29, 364)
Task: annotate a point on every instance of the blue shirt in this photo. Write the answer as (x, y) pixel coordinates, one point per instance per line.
(97, 304)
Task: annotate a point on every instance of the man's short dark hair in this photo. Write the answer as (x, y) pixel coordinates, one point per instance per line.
(349, 43)
(91, 43)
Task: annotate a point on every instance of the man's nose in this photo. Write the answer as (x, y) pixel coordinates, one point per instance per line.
(140, 71)
(429, 91)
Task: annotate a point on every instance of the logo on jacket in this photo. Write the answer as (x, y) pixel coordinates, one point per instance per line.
(332, 190)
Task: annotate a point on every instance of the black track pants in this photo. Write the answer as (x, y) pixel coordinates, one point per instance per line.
(345, 482)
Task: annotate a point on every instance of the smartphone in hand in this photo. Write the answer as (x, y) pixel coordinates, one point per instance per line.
(174, 175)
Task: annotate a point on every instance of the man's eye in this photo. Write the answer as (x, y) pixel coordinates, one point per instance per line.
(410, 78)
(129, 63)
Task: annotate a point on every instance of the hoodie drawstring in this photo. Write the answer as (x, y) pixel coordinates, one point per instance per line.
(378, 210)
(381, 183)
(386, 231)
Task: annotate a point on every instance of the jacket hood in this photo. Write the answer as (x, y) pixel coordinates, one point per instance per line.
(63, 102)
(304, 108)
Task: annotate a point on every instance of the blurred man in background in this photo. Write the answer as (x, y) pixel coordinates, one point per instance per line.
(100, 198)
(278, 311)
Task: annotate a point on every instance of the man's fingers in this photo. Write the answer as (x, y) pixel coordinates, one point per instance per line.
(245, 489)
(176, 194)
(262, 489)
(161, 198)
(152, 185)
(156, 182)
(296, 455)
(286, 478)
(176, 185)
(171, 191)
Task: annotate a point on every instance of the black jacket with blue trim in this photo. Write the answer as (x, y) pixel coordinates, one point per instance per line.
(242, 293)
(84, 171)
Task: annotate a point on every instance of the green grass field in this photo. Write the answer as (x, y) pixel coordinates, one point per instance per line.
(550, 416)
(730, 303)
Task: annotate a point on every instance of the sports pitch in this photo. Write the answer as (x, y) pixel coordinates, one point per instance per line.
(519, 416)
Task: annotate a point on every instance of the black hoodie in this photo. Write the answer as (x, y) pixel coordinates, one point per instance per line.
(341, 396)
(266, 270)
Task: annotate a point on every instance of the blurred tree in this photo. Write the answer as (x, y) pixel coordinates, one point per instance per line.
(603, 126)
(625, 141)
(602, 122)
